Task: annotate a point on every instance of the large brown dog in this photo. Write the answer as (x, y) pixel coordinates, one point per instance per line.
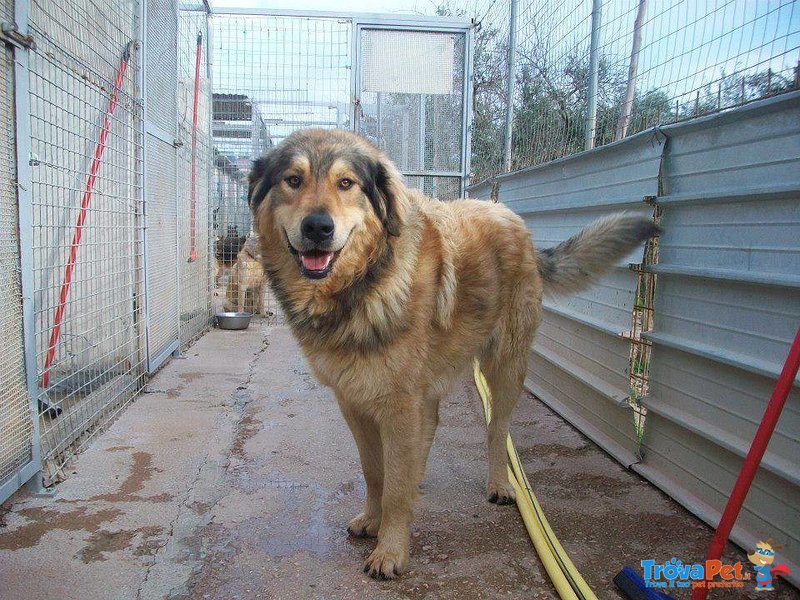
(391, 295)
(245, 289)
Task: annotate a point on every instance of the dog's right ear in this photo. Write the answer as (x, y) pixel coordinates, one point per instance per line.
(265, 173)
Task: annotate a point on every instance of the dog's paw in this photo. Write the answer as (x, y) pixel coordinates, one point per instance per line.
(364, 526)
(386, 562)
(500, 493)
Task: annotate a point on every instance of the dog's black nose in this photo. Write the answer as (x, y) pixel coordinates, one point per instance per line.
(317, 227)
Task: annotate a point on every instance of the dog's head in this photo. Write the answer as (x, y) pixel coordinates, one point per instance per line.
(327, 198)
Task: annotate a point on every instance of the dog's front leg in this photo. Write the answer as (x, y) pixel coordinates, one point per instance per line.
(401, 438)
(368, 440)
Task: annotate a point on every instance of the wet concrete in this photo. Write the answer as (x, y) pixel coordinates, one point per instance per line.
(234, 477)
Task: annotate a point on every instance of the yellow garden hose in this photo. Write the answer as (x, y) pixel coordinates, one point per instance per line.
(565, 577)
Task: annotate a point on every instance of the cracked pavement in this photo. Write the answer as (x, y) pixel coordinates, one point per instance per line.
(234, 476)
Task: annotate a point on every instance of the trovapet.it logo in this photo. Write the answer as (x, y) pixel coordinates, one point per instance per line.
(710, 574)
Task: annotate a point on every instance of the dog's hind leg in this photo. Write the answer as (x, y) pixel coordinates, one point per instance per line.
(258, 300)
(505, 378)
(430, 422)
(368, 440)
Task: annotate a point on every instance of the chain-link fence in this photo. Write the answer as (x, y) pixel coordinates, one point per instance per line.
(653, 63)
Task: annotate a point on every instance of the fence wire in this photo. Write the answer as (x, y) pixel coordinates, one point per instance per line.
(194, 172)
(272, 75)
(87, 218)
(691, 59)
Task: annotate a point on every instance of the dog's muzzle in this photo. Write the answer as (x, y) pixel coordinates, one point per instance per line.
(315, 261)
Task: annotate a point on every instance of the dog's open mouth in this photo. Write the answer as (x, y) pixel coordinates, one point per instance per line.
(316, 264)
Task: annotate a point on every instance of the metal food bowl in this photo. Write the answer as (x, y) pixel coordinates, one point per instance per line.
(233, 320)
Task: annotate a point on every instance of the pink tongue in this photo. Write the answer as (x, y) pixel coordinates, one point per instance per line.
(316, 262)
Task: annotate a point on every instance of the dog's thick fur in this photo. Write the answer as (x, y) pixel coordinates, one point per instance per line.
(417, 288)
(245, 289)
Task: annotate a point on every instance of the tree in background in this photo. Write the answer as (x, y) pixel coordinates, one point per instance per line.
(552, 95)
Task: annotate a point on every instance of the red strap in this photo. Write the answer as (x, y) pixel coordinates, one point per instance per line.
(85, 201)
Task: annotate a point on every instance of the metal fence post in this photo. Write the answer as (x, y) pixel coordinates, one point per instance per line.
(25, 208)
(142, 322)
(594, 65)
(511, 85)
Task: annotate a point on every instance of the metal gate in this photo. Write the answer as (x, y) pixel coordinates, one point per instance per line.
(402, 83)
(411, 87)
(84, 165)
(160, 168)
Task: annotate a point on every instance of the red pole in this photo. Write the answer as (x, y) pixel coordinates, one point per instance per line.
(753, 458)
(193, 202)
(85, 201)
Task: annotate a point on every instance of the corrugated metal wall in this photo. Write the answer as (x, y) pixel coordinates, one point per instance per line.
(580, 361)
(727, 192)
(727, 307)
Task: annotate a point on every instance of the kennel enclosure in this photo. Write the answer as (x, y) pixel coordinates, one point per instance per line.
(124, 166)
(129, 128)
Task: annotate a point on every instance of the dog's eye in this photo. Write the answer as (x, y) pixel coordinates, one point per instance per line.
(294, 181)
(345, 184)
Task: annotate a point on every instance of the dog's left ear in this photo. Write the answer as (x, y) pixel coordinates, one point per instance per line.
(388, 197)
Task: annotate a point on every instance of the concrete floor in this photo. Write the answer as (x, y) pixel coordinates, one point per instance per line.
(234, 476)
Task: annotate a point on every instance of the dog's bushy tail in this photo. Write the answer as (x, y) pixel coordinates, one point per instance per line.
(578, 262)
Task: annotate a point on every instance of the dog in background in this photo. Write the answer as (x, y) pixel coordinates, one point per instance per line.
(226, 251)
(245, 290)
(392, 294)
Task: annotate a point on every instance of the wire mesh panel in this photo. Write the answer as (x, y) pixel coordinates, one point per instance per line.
(272, 75)
(16, 428)
(412, 103)
(489, 88)
(194, 165)
(86, 184)
(694, 58)
(161, 196)
(657, 63)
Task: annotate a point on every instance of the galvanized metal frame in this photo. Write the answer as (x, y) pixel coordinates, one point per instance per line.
(25, 207)
(469, 60)
(412, 21)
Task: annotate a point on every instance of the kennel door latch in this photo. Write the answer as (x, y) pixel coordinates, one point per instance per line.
(11, 35)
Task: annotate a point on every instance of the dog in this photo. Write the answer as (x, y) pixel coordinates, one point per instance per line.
(391, 295)
(245, 289)
(226, 251)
